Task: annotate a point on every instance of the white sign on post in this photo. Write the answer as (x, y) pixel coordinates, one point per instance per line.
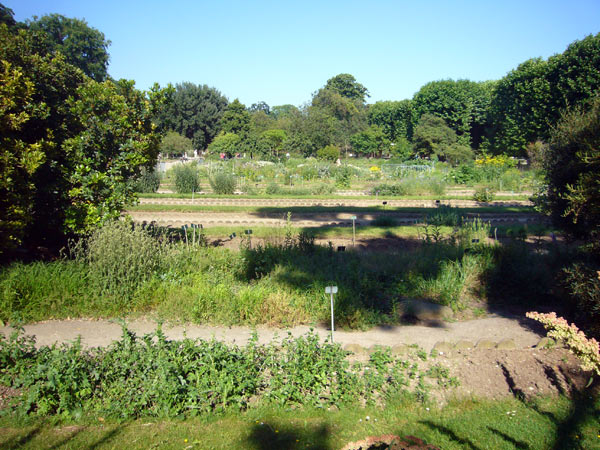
(331, 290)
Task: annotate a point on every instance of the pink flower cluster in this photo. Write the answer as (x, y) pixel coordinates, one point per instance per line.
(587, 350)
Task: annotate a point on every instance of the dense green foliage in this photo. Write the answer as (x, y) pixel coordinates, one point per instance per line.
(463, 105)
(151, 376)
(433, 138)
(187, 178)
(83, 46)
(572, 166)
(71, 145)
(222, 183)
(174, 144)
(195, 112)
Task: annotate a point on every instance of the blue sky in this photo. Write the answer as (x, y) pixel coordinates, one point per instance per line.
(282, 51)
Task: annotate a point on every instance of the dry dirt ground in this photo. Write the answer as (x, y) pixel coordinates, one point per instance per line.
(489, 372)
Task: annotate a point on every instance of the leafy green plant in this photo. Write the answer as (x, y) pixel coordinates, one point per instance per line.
(148, 182)
(152, 376)
(187, 179)
(222, 183)
(484, 194)
(120, 257)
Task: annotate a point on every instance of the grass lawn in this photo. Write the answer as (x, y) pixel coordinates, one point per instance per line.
(556, 423)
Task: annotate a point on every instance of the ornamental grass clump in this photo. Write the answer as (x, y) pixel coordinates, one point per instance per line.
(587, 350)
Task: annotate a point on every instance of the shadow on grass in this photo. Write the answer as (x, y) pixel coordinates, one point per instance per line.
(584, 405)
(509, 439)
(269, 436)
(19, 442)
(463, 441)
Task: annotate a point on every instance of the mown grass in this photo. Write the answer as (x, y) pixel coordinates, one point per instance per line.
(555, 422)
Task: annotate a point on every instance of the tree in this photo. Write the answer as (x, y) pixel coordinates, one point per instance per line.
(7, 16)
(274, 139)
(175, 144)
(395, 118)
(346, 85)
(370, 142)
(36, 117)
(83, 46)
(463, 105)
(572, 163)
(227, 143)
(236, 119)
(73, 145)
(117, 139)
(260, 106)
(529, 100)
(520, 110)
(19, 160)
(283, 111)
(434, 138)
(195, 112)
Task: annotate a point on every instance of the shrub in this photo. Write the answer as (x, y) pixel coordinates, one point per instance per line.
(187, 179)
(484, 194)
(323, 189)
(582, 281)
(572, 173)
(120, 258)
(330, 152)
(587, 350)
(222, 183)
(148, 182)
(273, 189)
(384, 189)
(342, 177)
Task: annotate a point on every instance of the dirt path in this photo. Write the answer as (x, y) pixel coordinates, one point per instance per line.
(103, 332)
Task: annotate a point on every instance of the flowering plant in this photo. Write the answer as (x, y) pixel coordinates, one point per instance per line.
(587, 350)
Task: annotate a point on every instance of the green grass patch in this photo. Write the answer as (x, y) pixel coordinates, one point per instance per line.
(545, 423)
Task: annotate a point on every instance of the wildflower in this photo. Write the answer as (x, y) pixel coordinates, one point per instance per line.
(587, 350)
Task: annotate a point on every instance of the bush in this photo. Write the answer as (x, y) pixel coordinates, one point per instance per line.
(330, 152)
(148, 182)
(187, 179)
(573, 174)
(323, 189)
(120, 258)
(273, 189)
(582, 281)
(389, 190)
(484, 194)
(222, 183)
(342, 177)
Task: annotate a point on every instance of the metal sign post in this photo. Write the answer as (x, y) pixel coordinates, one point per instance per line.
(331, 290)
(353, 230)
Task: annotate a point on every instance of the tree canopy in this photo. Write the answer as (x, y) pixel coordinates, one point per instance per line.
(195, 112)
(69, 144)
(83, 46)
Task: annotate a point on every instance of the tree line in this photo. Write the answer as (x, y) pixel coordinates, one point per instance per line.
(450, 120)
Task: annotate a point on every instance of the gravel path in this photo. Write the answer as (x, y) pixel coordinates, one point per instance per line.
(103, 332)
